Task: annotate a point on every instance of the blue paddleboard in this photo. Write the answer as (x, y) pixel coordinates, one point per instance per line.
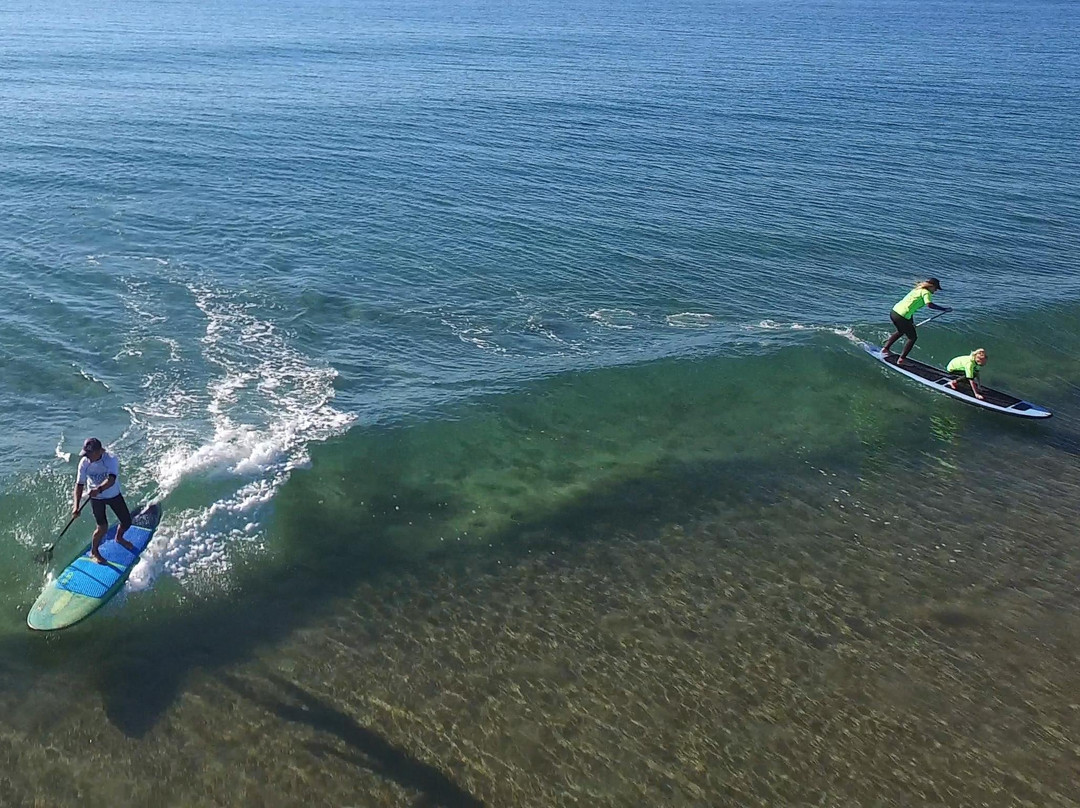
(85, 586)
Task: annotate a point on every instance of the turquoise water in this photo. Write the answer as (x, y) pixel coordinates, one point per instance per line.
(389, 303)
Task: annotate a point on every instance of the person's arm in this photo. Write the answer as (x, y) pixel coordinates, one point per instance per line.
(80, 482)
(975, 389)
(112, 468)
(105, 485)
(928, 298)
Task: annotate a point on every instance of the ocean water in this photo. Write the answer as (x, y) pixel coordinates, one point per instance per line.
(497, 367)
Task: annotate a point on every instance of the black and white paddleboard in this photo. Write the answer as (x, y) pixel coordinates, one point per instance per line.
(939, 380)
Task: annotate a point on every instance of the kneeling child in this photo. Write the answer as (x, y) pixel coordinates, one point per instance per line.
(967, 367)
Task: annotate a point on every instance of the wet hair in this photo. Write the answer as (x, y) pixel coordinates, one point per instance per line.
(928, 285)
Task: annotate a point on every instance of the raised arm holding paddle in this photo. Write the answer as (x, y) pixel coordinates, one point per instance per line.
(903, 314)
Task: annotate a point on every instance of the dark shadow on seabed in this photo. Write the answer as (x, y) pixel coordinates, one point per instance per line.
(140, 683)
(293, 703)
(145, 664)
(329, 554)
(379, 501)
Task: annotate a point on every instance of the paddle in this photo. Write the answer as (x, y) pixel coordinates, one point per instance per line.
(928, 319)
(45, 556)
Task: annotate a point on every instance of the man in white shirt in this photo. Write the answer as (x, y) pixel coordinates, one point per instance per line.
(102, 470)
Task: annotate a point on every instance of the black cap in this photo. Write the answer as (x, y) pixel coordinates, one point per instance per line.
(90, 445)
(934, 281)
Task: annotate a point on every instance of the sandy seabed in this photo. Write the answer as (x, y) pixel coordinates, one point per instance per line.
(803, 647)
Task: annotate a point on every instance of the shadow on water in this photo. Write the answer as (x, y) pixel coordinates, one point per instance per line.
(150, 662)
(293, 703)
(592, 455)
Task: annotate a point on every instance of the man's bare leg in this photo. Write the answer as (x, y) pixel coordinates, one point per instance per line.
(120, 531)
(95, 544)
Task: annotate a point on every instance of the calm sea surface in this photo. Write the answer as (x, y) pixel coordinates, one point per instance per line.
(497, 368)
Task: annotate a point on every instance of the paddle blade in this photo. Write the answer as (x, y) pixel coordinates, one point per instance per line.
(45, 556)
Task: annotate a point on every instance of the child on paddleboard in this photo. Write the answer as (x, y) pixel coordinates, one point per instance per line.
(903, 313)
(967, 367)
(102, 470)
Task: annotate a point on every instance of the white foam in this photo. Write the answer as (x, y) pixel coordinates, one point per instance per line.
(613, 318)
(60, 453)
(535, 324)
(772, 325)
(847, 333)
(24, 536)
(690, 319)
(265, 404)
(90, 377)
(174, 348)
(195, 542)
(474, 335)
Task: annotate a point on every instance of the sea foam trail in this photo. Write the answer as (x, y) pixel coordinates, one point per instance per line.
(245, 431)
(771, 325)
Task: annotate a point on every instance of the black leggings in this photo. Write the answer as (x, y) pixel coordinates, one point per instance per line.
(959, 376)
(119, 507)
(904, 326)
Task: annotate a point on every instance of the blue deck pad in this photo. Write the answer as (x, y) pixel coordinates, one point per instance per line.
(87, 577)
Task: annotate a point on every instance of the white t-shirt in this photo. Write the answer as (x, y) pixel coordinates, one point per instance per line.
(97, 473)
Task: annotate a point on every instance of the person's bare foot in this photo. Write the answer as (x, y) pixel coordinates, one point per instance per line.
(98, 559)
(128, 546)
(900, 360)
(953, 386)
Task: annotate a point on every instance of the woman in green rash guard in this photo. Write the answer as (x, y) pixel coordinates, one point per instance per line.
(967, 367)
(903, 312)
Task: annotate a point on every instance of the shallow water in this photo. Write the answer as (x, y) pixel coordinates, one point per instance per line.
(743, 641)
(892, 618)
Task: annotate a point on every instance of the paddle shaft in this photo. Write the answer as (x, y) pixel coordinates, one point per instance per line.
(71, 521)
(928, 319)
